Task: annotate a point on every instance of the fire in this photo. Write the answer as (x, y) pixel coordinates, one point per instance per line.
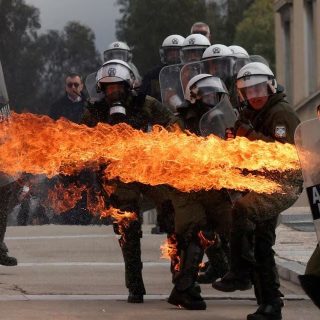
(39, 145)
(63, 198)
(169, 251)
(205, 243)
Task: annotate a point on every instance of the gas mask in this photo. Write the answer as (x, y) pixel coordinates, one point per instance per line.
(116, 95)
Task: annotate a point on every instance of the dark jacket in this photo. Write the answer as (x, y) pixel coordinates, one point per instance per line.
(191, 114)
(276, 121)
(150, 83)
(141, 113)
(68, 109)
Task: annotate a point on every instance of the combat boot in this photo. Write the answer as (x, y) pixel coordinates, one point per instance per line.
(189, 299)
(233, 281)
(186, 293)
(217, 267)
(268, 311)
(135, 297)
(242, 262)
(8, 261)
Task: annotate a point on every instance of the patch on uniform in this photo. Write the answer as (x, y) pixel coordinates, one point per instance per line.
(280, 132)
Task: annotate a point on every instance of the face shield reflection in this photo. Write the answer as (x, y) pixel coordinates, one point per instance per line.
(119, 54)
(255, 91)
(192, 54)
(172, 55)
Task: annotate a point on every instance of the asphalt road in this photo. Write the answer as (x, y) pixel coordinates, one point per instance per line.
(77, 272)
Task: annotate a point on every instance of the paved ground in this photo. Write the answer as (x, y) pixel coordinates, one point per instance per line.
(72, 272)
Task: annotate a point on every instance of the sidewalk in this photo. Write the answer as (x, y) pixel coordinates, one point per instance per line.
(293, 247)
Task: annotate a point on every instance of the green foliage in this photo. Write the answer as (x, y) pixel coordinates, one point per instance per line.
(256, 31)
(19, 55)
(35, 66)
(146, 23)
(71, 50)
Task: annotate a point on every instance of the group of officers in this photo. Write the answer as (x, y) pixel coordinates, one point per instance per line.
(204, 89)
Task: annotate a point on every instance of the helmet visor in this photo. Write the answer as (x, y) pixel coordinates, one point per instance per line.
(119, 54)
(256, 91)
(171, 55)
(208, 91)
(221, 67)
(192, 54)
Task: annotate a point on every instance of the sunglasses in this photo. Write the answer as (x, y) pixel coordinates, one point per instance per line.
(71, 84)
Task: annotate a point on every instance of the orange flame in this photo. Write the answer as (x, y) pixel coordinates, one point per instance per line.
(169, 251)
(61, 198)
(204, 242)
(37, 145)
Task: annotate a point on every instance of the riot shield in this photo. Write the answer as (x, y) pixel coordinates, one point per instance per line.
(307, 141)
(4, 121)
(91, 86)
(170, 86)
(218, 119)
(4, 100)
(221, 67)
(258, 58)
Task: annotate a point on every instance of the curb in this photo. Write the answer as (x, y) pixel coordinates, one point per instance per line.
(289, 270)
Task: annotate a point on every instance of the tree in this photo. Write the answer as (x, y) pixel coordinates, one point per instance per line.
(145, 24)
(19, 24)
(256, 31)
(71, 50)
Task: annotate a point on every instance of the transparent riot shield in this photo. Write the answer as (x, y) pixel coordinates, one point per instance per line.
(221, 67)
(4, 123)
(258, 58)
(91, 86)
(307, 140)
(218, 119)
(170, 86)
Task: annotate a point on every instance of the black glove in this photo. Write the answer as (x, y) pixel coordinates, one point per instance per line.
(243, 129)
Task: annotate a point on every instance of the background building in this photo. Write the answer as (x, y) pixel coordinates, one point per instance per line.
(297, 30)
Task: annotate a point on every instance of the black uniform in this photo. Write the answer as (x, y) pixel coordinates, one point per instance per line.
(140, 113)
(254, 216)
(150, 83)
(216, 207)
(9, 199)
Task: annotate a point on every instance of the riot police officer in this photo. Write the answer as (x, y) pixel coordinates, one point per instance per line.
(198, 212)
(9, 187)
(170, 53)
(120, 50)
(193, 47)
(121, 104)
(267, 116)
